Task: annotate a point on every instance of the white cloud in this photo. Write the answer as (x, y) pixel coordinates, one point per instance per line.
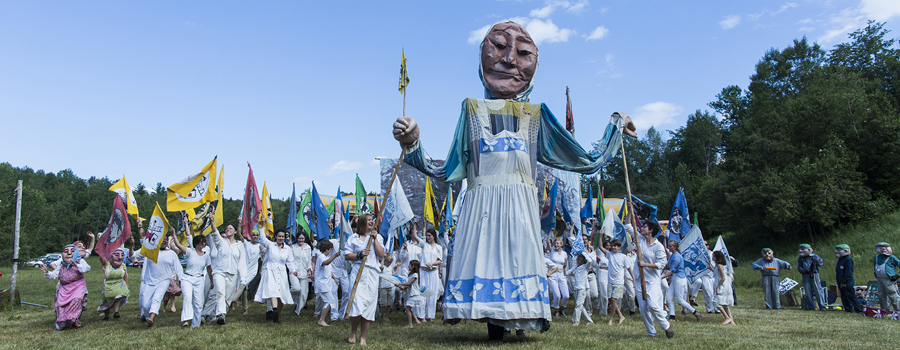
(542, 12)
(547, 31)
(604, 10)
(730, 21)
(578, 7)
(376, 161)
(303, 181)
(880, 10)
(597, 34)
(655, 114)
(609, 57)
(477, 35)
(754, 16)
(853, 18)
(786, 6)
(342, 166)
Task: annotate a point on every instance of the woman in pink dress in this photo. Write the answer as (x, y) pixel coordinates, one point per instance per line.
(72, 287)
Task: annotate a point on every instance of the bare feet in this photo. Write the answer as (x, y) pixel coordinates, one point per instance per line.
(621, 319)
(150, 323)
(173, 308)
(410, 326)
(352, 339)
(418, 322)
(185, 324)
(246, 312)
(323, 324)
(610, 321)
(362, 341)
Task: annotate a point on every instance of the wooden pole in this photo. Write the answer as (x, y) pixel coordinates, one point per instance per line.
(634, 222)
(15, 267)
(362, 263)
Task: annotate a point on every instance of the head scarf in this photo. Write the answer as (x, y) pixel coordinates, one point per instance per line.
(75, 256)
(522, 96)
(805, 246)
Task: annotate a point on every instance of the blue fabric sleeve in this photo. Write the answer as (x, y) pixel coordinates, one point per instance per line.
(454, 168)
(557, 148)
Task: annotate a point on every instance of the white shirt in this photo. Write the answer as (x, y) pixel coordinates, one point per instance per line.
(302, 259)
(559, 258)
(277, 258)
(355, 245)
(223, 255)
(430, 254)
(549, 264)
(617, 263)
(162, 270)
(654, 254)
(604, 262)
(579, 282)
(629, 262)
(324, 282)
(196, 264)
(252, 251)
(339, 266)
(412, 252)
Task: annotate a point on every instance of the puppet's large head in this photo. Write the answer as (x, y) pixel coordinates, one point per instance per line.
(509, 58)
(768, 254)
(805, 249)
(841, 250)
(884, 248)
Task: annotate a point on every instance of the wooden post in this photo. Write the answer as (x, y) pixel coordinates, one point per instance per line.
(634, 222)
(15, 266)
(362, 263)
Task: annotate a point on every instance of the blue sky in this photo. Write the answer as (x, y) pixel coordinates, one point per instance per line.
(307, 90)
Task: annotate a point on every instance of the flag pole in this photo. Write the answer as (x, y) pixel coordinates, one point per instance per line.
(362, 263)
(633, 222)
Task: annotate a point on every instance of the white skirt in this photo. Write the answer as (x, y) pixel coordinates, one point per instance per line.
(274, 284)
(365, 301)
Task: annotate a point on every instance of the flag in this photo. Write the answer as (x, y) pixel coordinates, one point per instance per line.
(250, 210)
(124, 191)
(330, 207)
(182, 230)
(459, 200)
(679, 219)
(645, 212)
(404, 75)
(362, 205)
(447, 211)
(345, 230)
(265, 215)
(157, 228)
(570, 119)
(396, 210)
(720, 246)
(193, 190)
(586, 210)
(292, 213)
(318, 215)
(430, 204)
(117, 231)
(219, 215)
(695, 254)
(200, 223)
(337, 212)
(548, 212)
(599, 217)
(615, 229)
(301, 214)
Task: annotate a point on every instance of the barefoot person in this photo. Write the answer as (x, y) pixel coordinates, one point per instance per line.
(325, 280)
(653, 261)
(723, 299)
(365, 302)
(497, 143)
(617, 268)
(157, 276)
(415, 303)
(197, 272)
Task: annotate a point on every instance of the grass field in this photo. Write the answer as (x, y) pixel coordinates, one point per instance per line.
(32, 327)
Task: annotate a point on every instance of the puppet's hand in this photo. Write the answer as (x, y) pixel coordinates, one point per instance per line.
(629, 125)
(406, 130)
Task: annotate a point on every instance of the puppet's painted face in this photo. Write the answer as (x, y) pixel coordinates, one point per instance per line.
(804, 251)
(67, 254)
(118, 257)
(769, 255)
(886, 251)
(508, 59)
(841, 252)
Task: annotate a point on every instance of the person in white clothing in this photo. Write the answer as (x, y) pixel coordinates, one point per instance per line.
(339, 268)
(602, 302)
(385, 288)
(652, 261)
(249, 282)
(579, 285)
(705, 282)
(325, 280)
(365, 301)
(558, 286)
(157, 277)
(416, 302)
(618, 268)
(592, 292)
(302, 258)
(409, 253)
(430, 273)
(228, 266)
(273, 284)
(197, 270)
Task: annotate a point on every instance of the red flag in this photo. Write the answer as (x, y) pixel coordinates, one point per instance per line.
(252, 205)
(117, 231)
(570, 119)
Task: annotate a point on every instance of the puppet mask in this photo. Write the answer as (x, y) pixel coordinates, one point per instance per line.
(768, 255)
(804, 250)
(509, 58)
(841, 252)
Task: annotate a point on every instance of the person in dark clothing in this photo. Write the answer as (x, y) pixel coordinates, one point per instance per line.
(808, 266)
(844, 276)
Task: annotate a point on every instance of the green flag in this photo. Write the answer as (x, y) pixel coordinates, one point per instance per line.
(301, 219)
(330, 207)
(362, 206)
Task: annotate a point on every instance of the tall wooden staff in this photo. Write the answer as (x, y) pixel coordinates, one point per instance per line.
(633, 221)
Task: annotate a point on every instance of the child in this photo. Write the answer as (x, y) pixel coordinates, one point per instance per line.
(386, 289)
(770, 267)
(618, 266)
(415, 303)
(808, 266)
(844, 276)
(579, 284)
(887, 269)
(325, 281)
(724, 298)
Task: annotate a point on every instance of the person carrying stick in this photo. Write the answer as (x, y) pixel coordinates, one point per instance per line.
(365, 297)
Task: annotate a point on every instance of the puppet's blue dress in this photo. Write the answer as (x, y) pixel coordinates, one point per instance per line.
(496, 272)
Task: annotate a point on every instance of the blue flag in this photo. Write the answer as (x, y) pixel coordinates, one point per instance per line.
(318, 216)
(696, 256)
(679, 219)
(292, 213)
(645, 212)
(548, 213)
(587, 210)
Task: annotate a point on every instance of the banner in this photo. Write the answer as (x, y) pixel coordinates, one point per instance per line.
(429, 212)
(318, 215)
(404, 74)
(193, 190)
(614, 229)
(251, 205)
(459, 200)
(362, 205)
(265, 214)
(548, 212)
(720, 246)
(679, 219)
(304, 213)
(292, 213)
(696, 256)
(117, 231)
(157, 227)
(396, 210)
(124, 191)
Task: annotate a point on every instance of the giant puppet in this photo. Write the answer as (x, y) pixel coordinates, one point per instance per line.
(497, 272)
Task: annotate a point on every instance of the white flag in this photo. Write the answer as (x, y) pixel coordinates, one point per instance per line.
(695, 254)
(396, 210)
(720, 246)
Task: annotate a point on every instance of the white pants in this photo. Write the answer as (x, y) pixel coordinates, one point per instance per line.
(709, 292)
(193, 294)
(140, 299)
(431, 280)
(345, 298)
(677, 292)
(300, 291)
(225, 285)
(559, 289)
(602, 301)
(627, 301)
(652, 308)
(580, 297)
(152, 297)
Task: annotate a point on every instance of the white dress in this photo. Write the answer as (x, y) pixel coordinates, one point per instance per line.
(430, 278)
(365, 301)
(273, 281)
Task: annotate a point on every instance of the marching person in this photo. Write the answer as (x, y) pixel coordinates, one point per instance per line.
(678, 288)
(302, 259)
(157, 277)
(72, 287)
(602, 302)
(579, 285)
(115, 290)
(705, 282)
(559, 288)
(227, 266)
(198, 270)
(249, 282)
(723, 299)
(618, 267)
(415, 303)
(430, 273)
(653, 260)
(273, 285)
(365, 302)
(325, 280)
(770, 267)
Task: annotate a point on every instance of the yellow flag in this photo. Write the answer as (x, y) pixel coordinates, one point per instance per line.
(429, 198)
(265, 215)
(193, 190)
(404, 75)
(157, 228)
(220, 193)
(123, 190)
(545, 189)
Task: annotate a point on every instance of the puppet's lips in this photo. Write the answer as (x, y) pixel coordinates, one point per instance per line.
(506, 74)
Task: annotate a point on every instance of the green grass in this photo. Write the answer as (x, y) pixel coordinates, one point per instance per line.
(32, 327)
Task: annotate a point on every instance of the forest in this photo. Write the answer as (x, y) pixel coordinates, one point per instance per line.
(811, 144)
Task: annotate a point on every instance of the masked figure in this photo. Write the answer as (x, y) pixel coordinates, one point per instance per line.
(808, 266)
(770, 267)
(844, 276)
(887, 269)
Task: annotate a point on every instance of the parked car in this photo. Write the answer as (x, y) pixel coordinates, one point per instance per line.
(43, 260)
